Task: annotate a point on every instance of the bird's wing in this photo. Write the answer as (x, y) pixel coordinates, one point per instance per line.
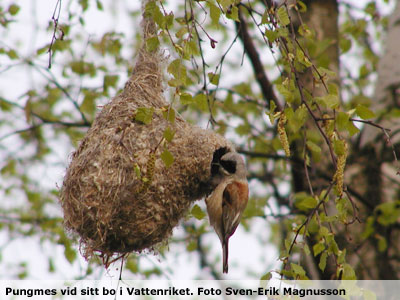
(214, 207)
(234, 201)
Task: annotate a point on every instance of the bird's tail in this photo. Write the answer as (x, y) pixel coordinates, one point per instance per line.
(225, 256)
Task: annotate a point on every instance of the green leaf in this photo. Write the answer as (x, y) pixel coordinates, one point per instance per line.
(333, 246)
(298, 270)
(169, 20)
(69, 254)
(201, 102)
(339, 147)
(186, 98)
(243, 129)
(12, 54)
(345, 44)
(42, 50)
(333, 89)
(302, 58)
(89, 102)
(52, 267)
(326, 72)
(181, 32)
(192, 246)
(322, 261)
(283, 32)
(243, 88)
(328, 101)
(298, 119)
(152, 44)
(132, 265)
(305, 203)
(318, 248)
(266, 276)
(342, 208)
(83, 68)
(178, 70)
(369, 228)
(368, 295)
(341, 257)
(283, 16)
(371, 9)
(167, 158)
(215, 14)
(305, 31)
(313, 147)
(84, 4)
(322, 195)
(99, 5)
(233, 14)
(364, 112)
(306, 249)
(225, 4)
(348, 273)
(214, 78)
(388, 213)
(13, 9)
(154, 11)
(197, 212)
(323, 231)
(342, 120)
(364, 71)
(169, 134)
(288, 94)
(191, 48)
(271, 113)
(144, 115)
(352, 129)
(271, 35)
(382, 244)
(9, 168)
(23, 272)
(169, 114)
(110, 81)
(61, 45)
(302, 7)
(265, 17)
(151, 6)
(138, 173)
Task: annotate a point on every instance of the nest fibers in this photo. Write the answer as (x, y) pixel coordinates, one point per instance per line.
(118, 194)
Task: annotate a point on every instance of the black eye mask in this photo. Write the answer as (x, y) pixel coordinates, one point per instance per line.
(216, 161)
(229, 166)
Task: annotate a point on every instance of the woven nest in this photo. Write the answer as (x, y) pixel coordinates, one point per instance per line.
(114, 208)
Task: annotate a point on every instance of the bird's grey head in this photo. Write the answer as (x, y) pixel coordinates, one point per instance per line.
(233, 164)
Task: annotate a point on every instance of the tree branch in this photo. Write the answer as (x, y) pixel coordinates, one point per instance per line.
(300, 162)
(261, 76)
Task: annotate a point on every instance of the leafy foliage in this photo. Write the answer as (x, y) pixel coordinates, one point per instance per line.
(305, 129)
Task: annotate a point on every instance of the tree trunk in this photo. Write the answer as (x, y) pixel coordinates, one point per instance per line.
(370, 174)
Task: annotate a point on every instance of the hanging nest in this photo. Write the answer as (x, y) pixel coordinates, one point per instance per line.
(118, 194)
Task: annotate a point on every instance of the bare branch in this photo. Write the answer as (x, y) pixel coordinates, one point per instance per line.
(259, 71)
(55, 19)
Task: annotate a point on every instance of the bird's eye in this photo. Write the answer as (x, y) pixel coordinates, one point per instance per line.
(215, 164)
(229, 166)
